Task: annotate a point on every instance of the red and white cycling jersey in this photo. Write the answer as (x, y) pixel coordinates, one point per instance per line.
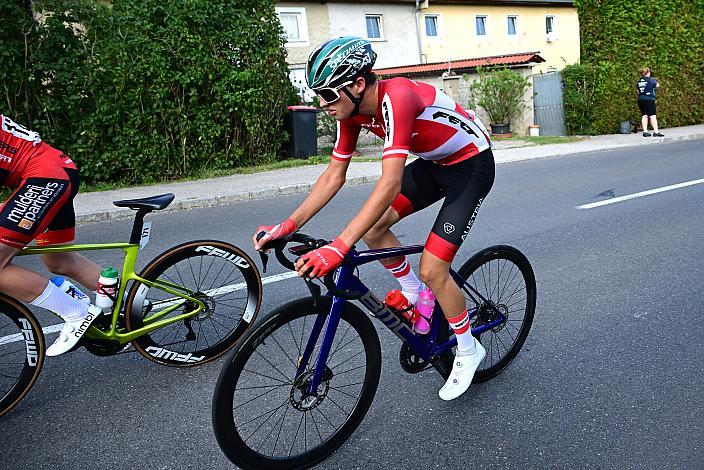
(17, 145)
(417, 118)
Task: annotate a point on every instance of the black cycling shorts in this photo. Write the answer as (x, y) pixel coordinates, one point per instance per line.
(647, 107)
(463, 186)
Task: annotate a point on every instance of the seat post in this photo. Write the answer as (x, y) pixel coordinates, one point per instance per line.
(137, 226)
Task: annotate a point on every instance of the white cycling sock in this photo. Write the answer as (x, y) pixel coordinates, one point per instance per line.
(59, 302)
(410, 285)
(463, 332)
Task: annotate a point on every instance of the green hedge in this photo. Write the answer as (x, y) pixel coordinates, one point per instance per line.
(617, 39)
(145, 90)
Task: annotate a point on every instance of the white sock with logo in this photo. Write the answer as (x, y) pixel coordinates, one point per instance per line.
(57, 301)
(410, 284)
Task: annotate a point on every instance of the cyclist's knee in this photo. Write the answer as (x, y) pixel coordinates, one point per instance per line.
(60, 263)
(6, 255)
(381, 227)
(434, 274)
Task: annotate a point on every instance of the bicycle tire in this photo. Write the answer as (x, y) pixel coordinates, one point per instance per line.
(484, 263)
(21, 340)
(177, 344)
(229, 429)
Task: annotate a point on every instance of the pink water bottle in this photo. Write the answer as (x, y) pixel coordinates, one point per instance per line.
(424, 310)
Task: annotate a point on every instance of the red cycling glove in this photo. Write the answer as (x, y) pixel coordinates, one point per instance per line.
(326, 258)
(273, 232)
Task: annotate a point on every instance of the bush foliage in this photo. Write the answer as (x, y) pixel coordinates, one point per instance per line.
(500, 92)
(144, 90)
(617, 39)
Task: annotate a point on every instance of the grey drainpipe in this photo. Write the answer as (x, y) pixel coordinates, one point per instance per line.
(420, 47)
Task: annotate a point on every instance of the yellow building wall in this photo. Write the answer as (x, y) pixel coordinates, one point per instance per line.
(457, 37)
(318, 26)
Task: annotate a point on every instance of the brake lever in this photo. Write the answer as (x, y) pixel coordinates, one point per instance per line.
(263, 254)
(314, 289)
(265, 259)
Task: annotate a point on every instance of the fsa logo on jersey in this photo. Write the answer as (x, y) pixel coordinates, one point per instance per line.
(8, 147)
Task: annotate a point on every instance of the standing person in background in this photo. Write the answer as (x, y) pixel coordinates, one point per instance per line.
(646, 101)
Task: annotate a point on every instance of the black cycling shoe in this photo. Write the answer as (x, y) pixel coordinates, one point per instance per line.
(657, 134)
(646, 134)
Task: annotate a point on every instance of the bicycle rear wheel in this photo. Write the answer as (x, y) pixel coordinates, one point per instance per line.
(260, 416)
(220, 275)
(21, 352)
(505, 279)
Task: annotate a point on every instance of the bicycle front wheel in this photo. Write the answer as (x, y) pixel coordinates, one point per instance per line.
(220, 275)
(503, 276)
(263, 416)
(21, 352)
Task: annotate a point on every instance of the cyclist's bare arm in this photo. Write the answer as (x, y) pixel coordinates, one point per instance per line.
(324, 189)
(385, 190)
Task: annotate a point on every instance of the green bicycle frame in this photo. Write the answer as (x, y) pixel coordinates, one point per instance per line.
(155, 320)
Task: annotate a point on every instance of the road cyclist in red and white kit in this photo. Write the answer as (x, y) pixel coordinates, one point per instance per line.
(455, 164)
(45, 181)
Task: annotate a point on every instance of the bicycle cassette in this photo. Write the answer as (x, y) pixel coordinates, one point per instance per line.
(410, 361)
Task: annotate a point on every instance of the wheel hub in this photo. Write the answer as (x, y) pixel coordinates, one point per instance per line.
(488, 314)
(209, 306)
(300, 399)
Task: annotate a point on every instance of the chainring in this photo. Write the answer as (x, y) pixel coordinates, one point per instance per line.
(410, 361)
(103, 348)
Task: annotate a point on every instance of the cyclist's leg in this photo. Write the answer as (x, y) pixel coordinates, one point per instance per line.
(62, 229)
(49, 184)
(418, 191)
(75, 266)
(16, 281)
(467, 183)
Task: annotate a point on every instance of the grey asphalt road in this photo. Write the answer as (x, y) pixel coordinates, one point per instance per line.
(611, 375)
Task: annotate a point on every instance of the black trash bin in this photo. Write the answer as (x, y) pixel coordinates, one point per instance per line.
(301, 124)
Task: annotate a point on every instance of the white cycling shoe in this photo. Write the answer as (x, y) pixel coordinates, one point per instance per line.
(463, 369)
(72, 331)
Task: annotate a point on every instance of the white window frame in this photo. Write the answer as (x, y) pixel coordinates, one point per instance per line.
(486, 27)
(517, 26)
(551, 36)
(303, 40)
(438, 26)
(297, 76)
(382, 36)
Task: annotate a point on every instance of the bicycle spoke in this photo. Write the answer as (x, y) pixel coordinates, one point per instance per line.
(270, 413)
(293, 362)
(272, 365)
(344, 393)
(348, 359)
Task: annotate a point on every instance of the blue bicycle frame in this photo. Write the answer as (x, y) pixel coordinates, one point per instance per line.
(425, 346)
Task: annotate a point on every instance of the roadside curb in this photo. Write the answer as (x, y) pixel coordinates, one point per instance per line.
(200, 202)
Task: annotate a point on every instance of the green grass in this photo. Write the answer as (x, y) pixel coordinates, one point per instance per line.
(322, 158)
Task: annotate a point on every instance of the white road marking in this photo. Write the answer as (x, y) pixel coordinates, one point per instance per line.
(214, 292)
(640, 194)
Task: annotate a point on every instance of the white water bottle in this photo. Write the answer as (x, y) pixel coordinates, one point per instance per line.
(69, 288)
(107, 289)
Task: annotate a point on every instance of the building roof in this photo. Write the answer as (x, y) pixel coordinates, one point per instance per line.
(460, 66)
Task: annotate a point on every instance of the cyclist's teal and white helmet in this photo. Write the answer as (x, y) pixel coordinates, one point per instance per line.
(337, 63)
